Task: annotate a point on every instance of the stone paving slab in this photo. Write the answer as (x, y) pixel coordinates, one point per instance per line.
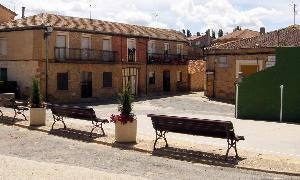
(181, 150)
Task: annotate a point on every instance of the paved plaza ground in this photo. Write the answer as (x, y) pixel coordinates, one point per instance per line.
(91, 160)
(261, 136)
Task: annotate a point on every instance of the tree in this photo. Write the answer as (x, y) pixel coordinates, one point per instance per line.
(198, 34)
(238, 28)
(183, 31)
(207, 32)
(213, 34)
(220, 33)
(188, 33)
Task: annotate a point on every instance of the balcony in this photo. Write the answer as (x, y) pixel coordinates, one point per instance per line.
(93, 56)
(155, 58)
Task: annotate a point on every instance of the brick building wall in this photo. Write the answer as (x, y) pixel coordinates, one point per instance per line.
(6, 15)
(222, 75)
(27, 52)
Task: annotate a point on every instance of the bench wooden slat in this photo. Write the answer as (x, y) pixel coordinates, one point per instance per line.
(194, 126)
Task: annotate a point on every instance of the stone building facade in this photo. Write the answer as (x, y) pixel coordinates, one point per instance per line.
(92, 58)
(229, 62)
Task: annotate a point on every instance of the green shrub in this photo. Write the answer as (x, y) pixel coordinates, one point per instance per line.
(36, 98)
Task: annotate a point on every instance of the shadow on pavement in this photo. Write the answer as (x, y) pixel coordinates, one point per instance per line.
(9, 120)
(75, 134)
(197, 157)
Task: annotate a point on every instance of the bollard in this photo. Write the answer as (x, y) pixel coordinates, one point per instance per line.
(281, 101)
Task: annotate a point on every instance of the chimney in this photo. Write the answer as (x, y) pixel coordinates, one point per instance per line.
(262, 30)
(23, 12)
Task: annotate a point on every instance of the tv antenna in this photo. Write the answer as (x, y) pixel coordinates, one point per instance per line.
(295, 11)
(155, 15)
(90, 8)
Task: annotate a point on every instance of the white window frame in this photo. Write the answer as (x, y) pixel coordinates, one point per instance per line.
(128, 40)
(179, 48)
(59, 33)
(151, 43)
(110, 43)
(66, 34)
(167, 45)
(240, 63)
(86, 36)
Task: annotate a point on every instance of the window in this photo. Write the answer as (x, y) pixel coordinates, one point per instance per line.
(179, 76)
(106, 47)
(131, 44)
(151, 77)
(61, 50)
(3, 47)
(107, 79)
(271, 61)
(166, 48)
(62, 81)
(151, 47)
(3, 74)
(179, 48)
(222, 62)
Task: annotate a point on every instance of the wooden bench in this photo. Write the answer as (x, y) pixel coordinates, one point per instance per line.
(60, 112)
(193, 126)
(18, 107)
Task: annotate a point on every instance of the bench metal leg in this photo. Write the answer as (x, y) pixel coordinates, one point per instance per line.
(19, 111)
(56, 119)
(97, 124)
(231, 143)
(160, 135)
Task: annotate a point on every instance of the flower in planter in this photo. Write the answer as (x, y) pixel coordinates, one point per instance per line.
(125, 107)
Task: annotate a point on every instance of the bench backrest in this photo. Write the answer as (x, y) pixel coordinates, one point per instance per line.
(193, 126)
(74, 112)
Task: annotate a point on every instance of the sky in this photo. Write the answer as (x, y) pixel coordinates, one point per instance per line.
(195, 15)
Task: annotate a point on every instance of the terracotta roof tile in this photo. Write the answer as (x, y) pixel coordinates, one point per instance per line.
(285, 37)
(97, 26)
(239, 34)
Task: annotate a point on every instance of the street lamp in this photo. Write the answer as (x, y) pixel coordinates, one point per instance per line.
(47, 33)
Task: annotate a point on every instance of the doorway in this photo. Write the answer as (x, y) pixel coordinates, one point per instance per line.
(130, 77)
(166, 81)
(86, 85)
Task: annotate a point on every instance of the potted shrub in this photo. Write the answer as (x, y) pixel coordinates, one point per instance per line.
(125, 122)
(37, 108)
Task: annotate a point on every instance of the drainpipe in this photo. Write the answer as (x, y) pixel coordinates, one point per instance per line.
(147, 67)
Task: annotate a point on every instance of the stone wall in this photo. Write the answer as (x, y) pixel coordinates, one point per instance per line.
(196, 75)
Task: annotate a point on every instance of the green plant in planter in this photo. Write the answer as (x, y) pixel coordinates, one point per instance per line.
(36, 98)
(125, 107)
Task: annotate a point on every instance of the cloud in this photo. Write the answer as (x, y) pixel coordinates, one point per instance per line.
(222, 14)
(196, 15)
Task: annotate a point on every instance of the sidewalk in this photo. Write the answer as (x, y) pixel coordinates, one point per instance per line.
(181, 150)
(17, 168)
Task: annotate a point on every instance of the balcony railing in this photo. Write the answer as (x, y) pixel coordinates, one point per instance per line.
(155, 58)
(74, 55)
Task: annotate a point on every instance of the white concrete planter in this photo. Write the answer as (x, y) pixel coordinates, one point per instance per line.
(125, 133)
(37, 116)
